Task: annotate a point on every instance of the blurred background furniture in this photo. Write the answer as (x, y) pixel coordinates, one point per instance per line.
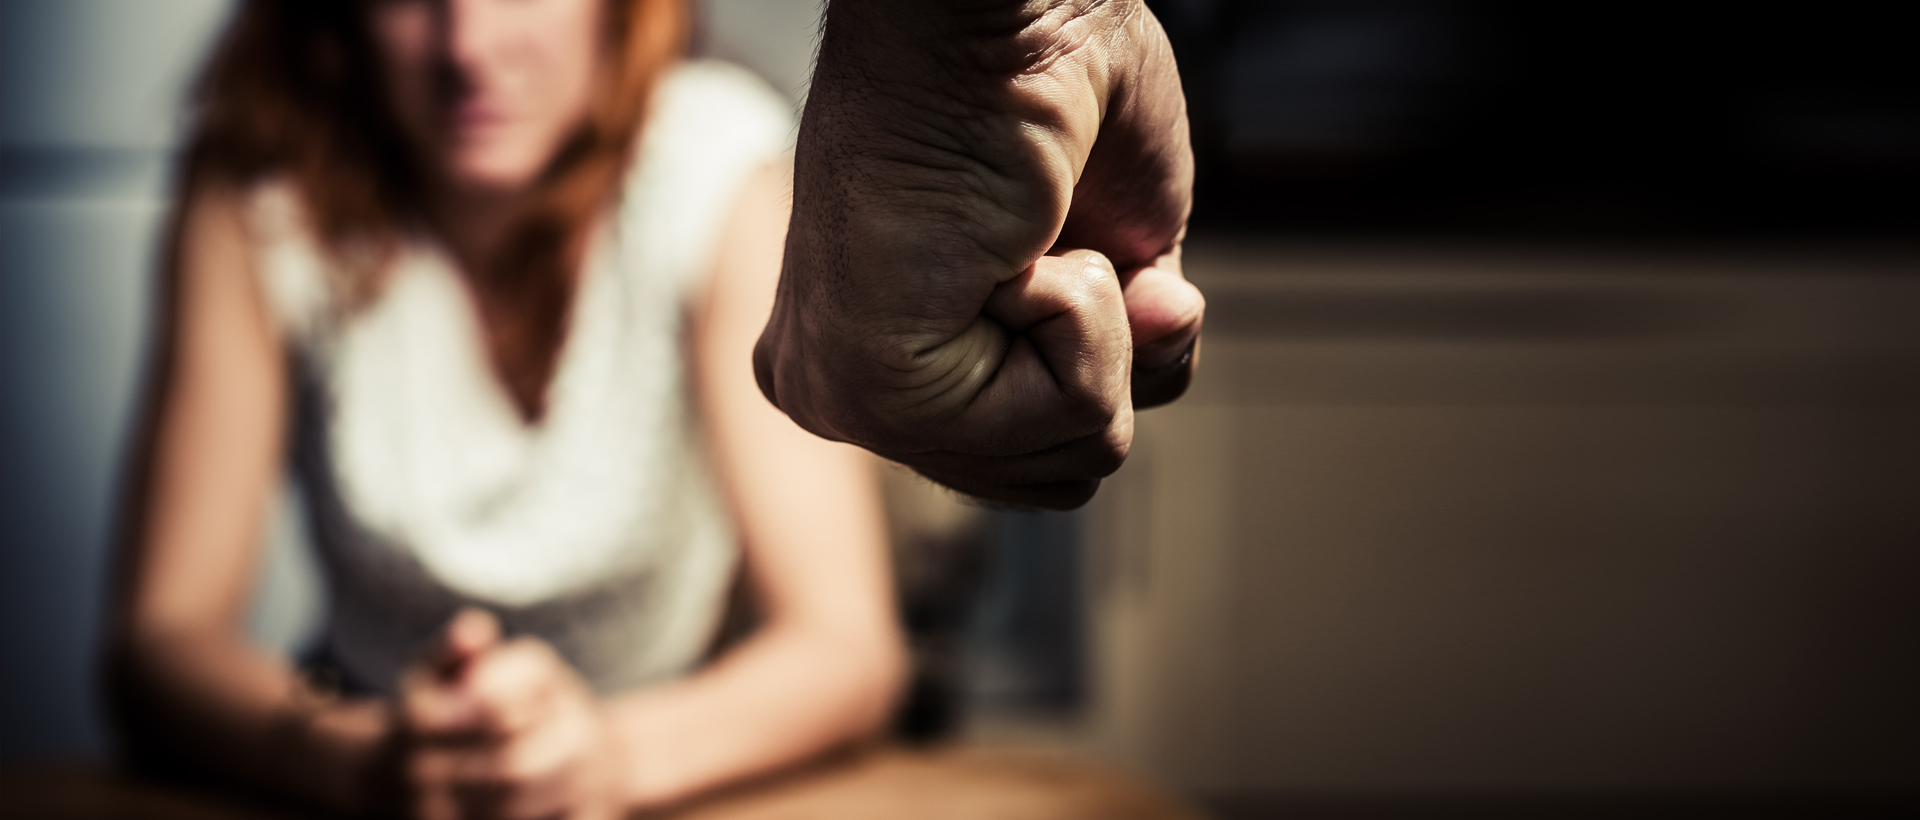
(1449, 522)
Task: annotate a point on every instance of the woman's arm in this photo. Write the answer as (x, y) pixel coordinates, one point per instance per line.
(826, 663)
(184, 679)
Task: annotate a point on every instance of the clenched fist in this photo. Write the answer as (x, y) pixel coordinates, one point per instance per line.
(982, 274)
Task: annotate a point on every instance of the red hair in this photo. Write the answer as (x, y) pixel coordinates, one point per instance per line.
(293, 91)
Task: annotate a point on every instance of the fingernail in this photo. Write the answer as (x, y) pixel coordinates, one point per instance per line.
(1170, 355)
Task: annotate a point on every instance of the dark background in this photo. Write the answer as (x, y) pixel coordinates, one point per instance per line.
(1443, 116)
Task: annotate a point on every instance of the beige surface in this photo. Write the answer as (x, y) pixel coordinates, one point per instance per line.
(957, 784)
(878, 784)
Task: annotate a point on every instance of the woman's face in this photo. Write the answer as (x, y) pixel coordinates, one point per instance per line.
(488, 90)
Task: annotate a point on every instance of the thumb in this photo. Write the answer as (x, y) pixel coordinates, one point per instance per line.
(470, 634)
(433, 697)
(1164, 312)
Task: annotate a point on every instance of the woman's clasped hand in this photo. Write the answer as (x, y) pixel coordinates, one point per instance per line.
(505, 728)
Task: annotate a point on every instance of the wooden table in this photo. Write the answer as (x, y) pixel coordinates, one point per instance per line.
(958, 783)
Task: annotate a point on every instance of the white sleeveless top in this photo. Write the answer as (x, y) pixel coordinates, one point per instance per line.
(598, 529)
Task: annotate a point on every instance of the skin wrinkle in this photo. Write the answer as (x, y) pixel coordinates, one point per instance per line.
(963, 255)
(1049, 26)
(967, 185)
(955, 257)
(924, 97)
(965, 365)
(939, 219)
(1012, 333)
(984, 330)
(966, 372)
(908, 171)
(939, 167)
(957, 365)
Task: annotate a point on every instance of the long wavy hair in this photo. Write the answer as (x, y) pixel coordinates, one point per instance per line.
(293, 90)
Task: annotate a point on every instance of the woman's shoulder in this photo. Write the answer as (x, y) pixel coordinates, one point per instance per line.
(717, 111)
(718, 92)
(284, 252)
(711, 126)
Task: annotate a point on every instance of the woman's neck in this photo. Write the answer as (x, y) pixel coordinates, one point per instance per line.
(474, 223)
(518, 315)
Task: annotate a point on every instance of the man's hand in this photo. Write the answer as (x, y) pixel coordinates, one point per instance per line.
(982, 276)
(506, 730)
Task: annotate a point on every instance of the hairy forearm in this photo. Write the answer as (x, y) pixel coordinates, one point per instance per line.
(787, 694)
(226, 706)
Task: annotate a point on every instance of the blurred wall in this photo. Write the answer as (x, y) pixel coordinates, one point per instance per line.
(775, 38)
(1458, 519)
(89, 94)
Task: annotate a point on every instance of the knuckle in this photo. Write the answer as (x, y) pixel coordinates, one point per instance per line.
(1092, 406)
(1108, 459)
(1097, 270)
(519, 765)
(500, 668)
(515, 664)
(764, 371)
(537, 651)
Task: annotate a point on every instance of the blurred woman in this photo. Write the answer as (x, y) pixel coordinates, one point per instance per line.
(487, 274)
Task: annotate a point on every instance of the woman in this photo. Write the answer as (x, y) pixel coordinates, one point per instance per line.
(487, 274)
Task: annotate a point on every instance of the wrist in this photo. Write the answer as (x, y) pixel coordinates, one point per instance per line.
(345, 754)
(647, 777)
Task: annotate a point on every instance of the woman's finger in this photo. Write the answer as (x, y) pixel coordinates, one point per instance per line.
(435, 711)
(430, 781)
(517, 684)
(528, 776)
(433, 702)
(470, 633)
(535, 773)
